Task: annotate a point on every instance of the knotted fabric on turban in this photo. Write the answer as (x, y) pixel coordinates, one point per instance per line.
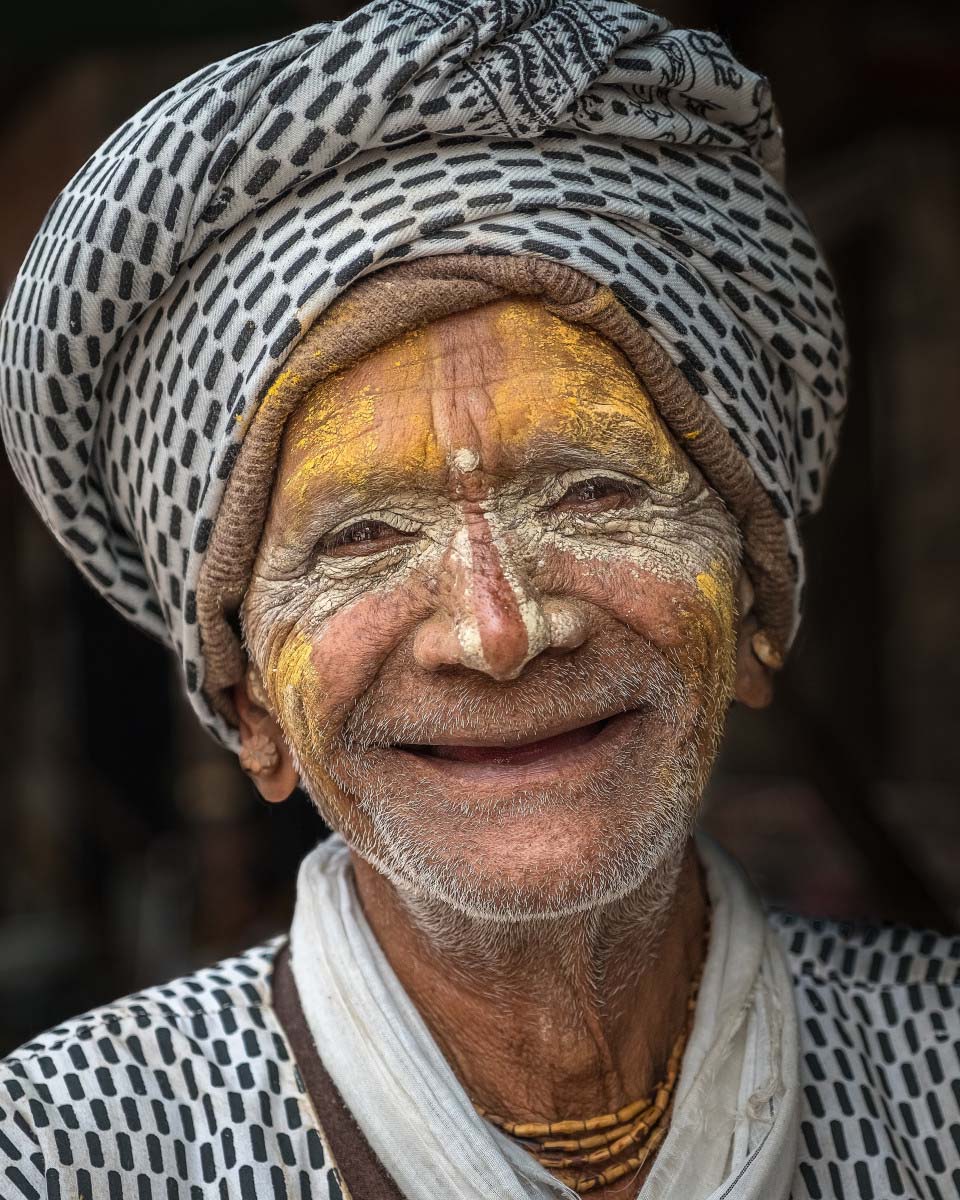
(177, 271)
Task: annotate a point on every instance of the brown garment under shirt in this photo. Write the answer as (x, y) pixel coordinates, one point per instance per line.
(364, 1175)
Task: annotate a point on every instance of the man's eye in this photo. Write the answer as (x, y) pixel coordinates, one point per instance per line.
(364, 537)
(597, 494)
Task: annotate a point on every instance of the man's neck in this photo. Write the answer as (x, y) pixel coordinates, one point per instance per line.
(547, 1020)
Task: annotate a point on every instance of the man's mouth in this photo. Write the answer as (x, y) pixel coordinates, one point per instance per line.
(515, 754)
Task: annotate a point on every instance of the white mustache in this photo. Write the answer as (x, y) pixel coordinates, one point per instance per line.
(565, 692)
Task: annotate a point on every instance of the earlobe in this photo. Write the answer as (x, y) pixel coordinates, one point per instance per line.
(754, 681)
(259, 756)
(753, 685)
(263, 752)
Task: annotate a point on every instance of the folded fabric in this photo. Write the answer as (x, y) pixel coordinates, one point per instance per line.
(736, 1116)
(179, 268)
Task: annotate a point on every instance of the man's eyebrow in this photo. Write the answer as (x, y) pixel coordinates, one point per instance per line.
(375, 479)
(314, 511)
(551, 452)
(548, 452)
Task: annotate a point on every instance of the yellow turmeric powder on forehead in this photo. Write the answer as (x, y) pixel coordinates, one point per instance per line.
(498, 380)
(569, 381)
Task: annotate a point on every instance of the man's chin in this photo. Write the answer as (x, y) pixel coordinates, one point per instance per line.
(531, 865)
(521, 843)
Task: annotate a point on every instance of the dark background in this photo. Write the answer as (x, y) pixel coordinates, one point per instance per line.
(132, 849)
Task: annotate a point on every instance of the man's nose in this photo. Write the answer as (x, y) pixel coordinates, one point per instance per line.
(491, 617)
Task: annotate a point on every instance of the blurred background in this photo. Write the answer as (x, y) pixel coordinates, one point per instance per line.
(132, 849)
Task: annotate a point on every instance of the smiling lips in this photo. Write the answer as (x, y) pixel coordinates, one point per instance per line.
(515, 755)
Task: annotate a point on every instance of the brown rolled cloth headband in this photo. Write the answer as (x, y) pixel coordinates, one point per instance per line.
(396, 300)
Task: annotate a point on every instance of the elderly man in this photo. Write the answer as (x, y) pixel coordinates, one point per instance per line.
(445, 386)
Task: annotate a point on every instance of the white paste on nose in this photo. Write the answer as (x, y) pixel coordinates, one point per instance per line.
(466, 460)
(466, 626)
(535, 621)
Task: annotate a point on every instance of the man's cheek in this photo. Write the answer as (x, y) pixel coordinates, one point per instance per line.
(646, 600)
(327, 663)
(291, 683)
(711, 610)
(706, 643)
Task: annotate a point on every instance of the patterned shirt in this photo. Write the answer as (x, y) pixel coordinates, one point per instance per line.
(191, 1089)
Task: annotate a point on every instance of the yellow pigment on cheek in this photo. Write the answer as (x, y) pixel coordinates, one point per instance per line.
(293, 672)
(709, 588)
(718, 592)
(296, 692)
(708, 629)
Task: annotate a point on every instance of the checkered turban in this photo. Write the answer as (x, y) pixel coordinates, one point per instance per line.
(182, 264)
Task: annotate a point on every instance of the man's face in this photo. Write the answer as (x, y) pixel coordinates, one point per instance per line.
(493, 611)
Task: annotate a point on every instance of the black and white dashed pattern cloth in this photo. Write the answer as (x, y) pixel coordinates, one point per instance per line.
(178, 268)
(190, 1090)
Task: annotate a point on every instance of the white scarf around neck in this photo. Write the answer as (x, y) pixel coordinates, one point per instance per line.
(735, 1120)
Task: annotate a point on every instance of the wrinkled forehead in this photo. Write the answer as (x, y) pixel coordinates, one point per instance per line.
(509, 383)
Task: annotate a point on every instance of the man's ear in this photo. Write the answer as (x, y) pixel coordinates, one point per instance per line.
(263, 752)
(754, 679)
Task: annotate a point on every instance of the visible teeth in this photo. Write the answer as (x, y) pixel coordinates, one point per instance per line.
(513, 751)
